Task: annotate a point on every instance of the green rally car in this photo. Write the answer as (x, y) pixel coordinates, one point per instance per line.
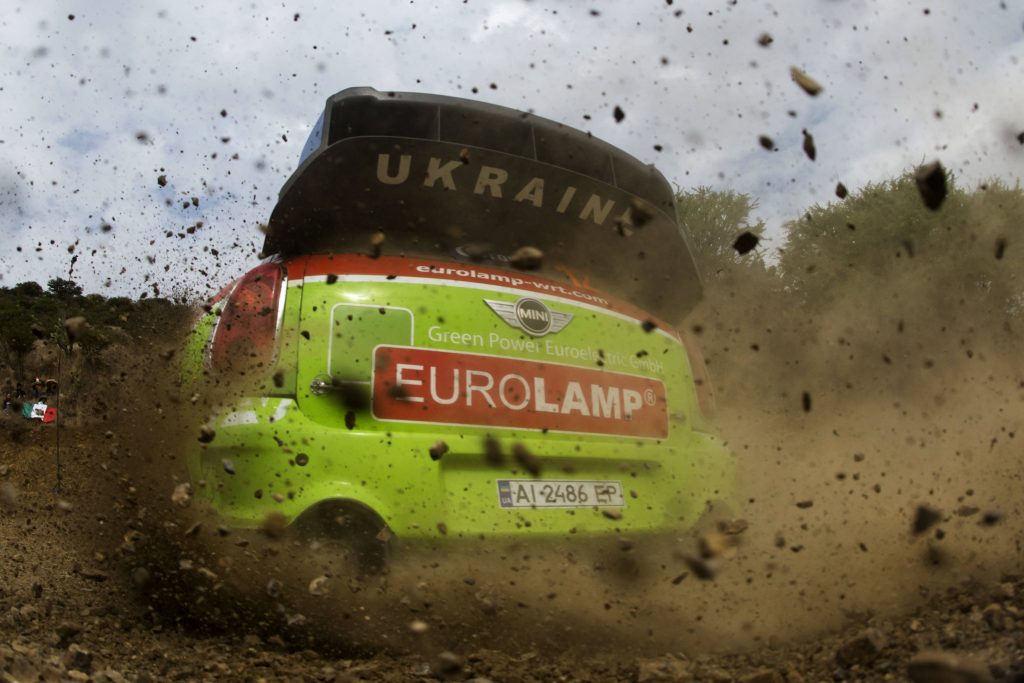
(400, 362)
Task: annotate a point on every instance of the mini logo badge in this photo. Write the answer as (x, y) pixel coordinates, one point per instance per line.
(532, 316)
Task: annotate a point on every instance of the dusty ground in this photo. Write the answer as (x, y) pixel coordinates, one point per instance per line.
(107, 580)
(117, 576)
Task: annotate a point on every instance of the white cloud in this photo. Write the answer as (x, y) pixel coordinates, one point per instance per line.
(518, 19)
(76, 93)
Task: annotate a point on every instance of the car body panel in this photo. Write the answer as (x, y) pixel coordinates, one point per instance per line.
(393, 353)
(344, 314)
(418, 497)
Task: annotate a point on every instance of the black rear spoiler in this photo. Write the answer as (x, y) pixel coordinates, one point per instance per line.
(437, 173)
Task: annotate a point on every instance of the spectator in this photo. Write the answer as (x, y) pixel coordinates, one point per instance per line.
(37, 389)
(8, 401)
(19, 392)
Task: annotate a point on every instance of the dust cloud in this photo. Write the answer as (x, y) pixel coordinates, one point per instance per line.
(843, 424)
(874, 423)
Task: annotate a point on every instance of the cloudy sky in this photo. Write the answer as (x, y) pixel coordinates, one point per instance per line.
(98, 99)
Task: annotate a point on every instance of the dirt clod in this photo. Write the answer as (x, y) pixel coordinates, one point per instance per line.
(925, 517)
(318, 586)
(74, 327)
(931, 184)
(763, 676)
(438, 450)
(640, 213)
(946, 667)
(274, 524)
(809, 149)
(66, 633)
(447, 665)
(182, 495)
(862, 648)
(8, 495)
(715, 544)
(991, 518)
(76, 658)
(663, 670)
(806, 83)
(700, 567)
(745, 243)
(527, 258)
(93, 574)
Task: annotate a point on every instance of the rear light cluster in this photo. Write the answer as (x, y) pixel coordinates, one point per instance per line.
(245, 336)
(701, 378)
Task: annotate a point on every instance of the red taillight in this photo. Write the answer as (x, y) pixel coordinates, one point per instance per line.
(701, 379)
(246, 333)
(211, 305)
(219, 296)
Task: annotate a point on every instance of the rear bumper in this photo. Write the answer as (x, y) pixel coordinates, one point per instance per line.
(268, 457)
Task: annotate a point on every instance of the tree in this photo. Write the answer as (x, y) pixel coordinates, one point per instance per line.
(868, 233)
(712, 220)
(27, 289)
(16, 340)
(16, 324)
(63, 289)
(882, 242)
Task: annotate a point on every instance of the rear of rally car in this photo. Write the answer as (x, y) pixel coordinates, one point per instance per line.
(391, 363)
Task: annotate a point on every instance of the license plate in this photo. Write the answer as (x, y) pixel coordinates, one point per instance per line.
(553, 493)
